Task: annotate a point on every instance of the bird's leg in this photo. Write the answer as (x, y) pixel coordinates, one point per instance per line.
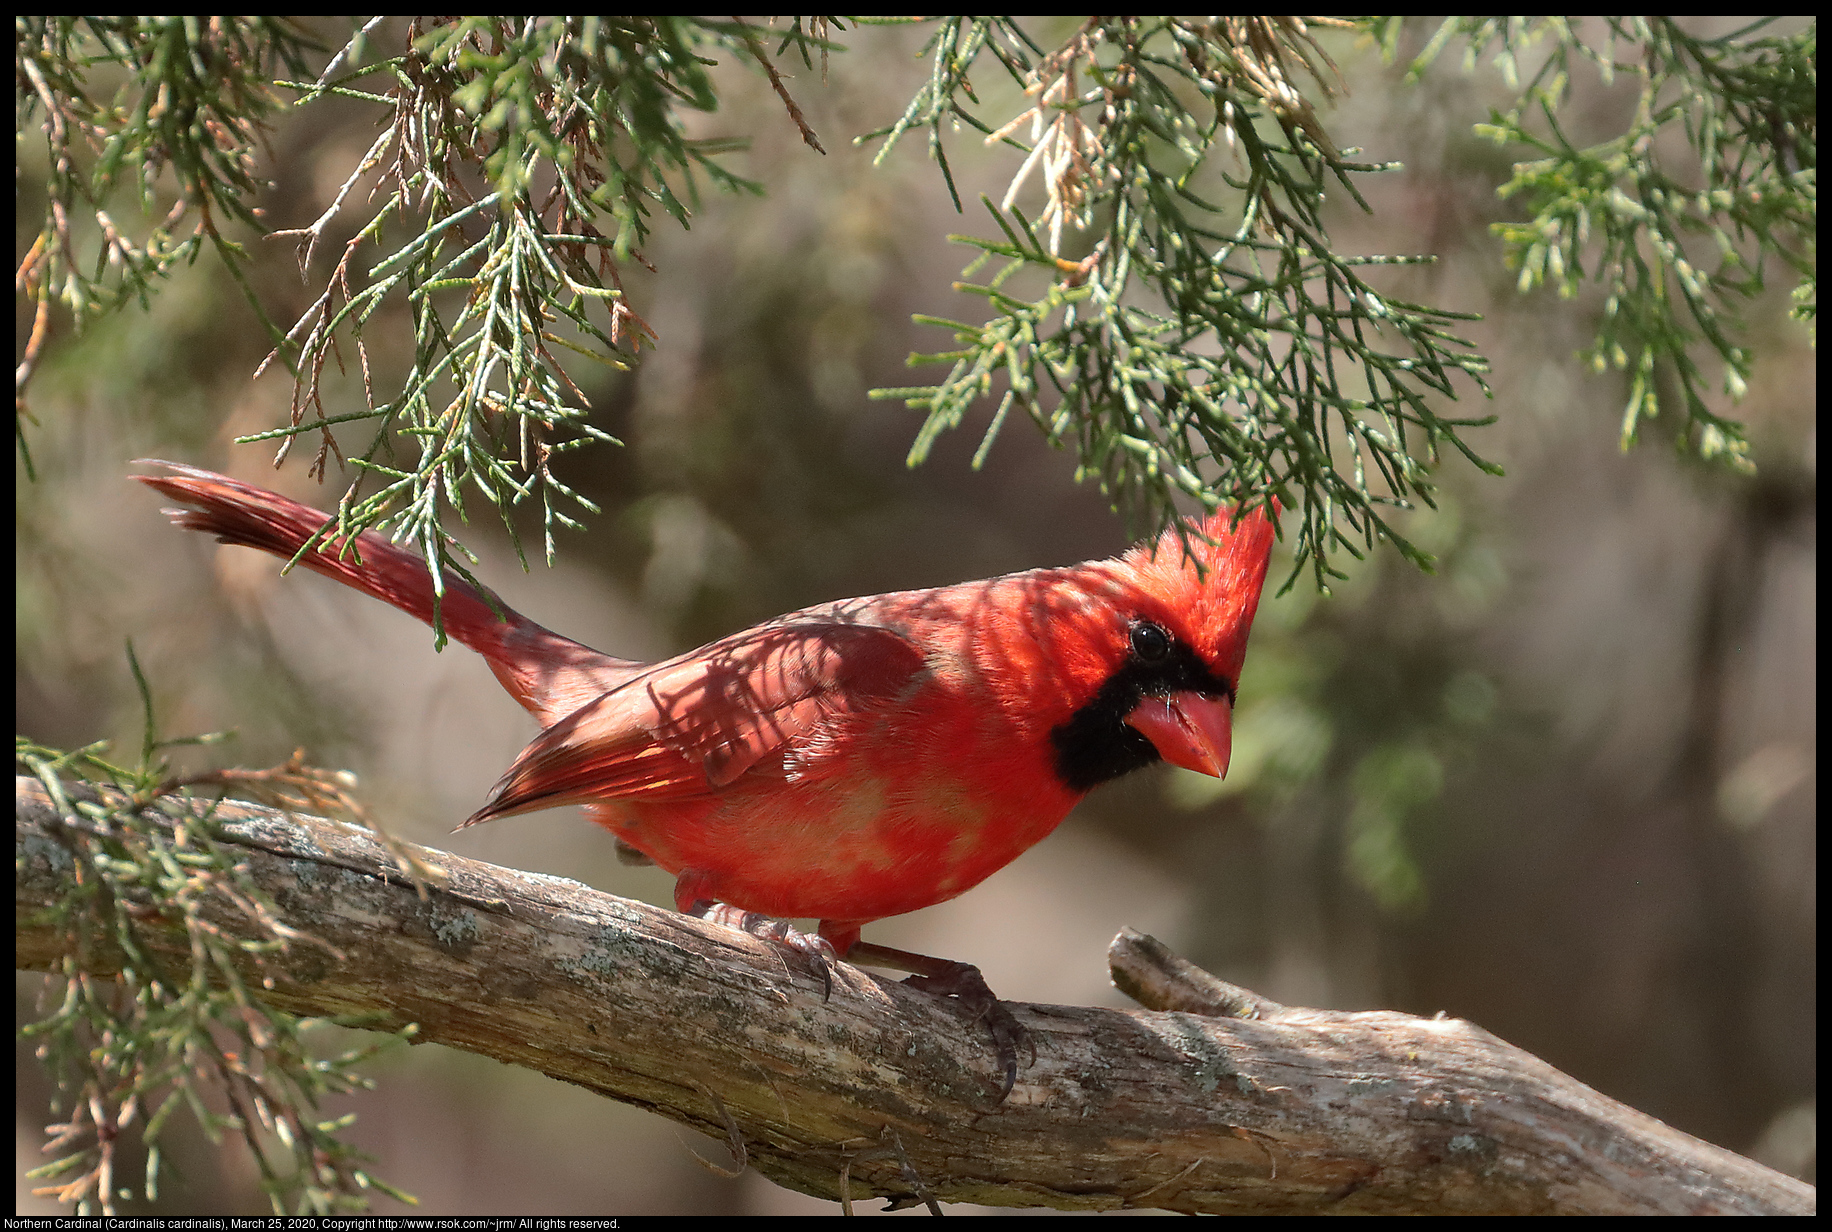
(816, 949)
(962, 981)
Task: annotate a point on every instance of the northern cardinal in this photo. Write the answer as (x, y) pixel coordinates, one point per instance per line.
(853, 760)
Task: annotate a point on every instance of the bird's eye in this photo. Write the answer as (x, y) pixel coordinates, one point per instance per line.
(1150, 643)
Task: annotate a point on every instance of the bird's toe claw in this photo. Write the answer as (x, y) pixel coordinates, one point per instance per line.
(816, 950)
(965, 984)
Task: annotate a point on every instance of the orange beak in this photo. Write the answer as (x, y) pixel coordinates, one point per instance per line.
(1189, 730)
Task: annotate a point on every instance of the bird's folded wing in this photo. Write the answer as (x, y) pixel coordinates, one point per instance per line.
(693, 725)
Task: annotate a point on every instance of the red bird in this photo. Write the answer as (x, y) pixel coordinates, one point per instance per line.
(853, 760)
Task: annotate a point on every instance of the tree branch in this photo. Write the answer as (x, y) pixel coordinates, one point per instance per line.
(884, 1090)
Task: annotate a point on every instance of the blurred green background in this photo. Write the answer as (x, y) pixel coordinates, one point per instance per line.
(1565, 788)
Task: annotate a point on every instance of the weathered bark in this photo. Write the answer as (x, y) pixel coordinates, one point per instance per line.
(884, 1090)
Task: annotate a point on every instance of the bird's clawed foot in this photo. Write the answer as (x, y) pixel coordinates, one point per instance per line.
(941, 977)
(962, 981)
(815, 949)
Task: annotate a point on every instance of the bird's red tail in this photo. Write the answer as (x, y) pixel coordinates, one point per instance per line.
(548, 674)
